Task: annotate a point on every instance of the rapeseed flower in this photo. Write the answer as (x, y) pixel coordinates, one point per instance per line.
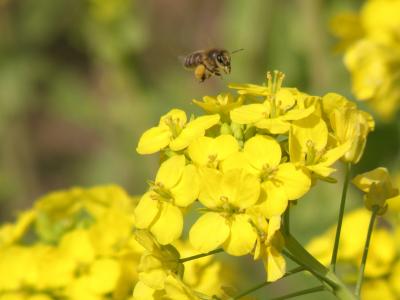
(176, 186)
(378, 188)
(175, 132)
(226, 197)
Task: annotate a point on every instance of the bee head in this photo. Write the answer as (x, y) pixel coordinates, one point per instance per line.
(223, 60)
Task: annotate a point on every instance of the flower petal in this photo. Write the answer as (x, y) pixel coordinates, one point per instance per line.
(276, 201)
(168, 226)
(275, 264)
(170, 171)
(209, 232)
(261, 151)
(153, 140)
(242, 237)
(210, 189)
(242, 189)
(250, 113)
(146, 211)
(296, 182)
(188, 187)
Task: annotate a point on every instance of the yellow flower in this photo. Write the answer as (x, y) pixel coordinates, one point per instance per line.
(280, 182)
(280, 106)
(176, 186)
(378, 189)
(157, 262)
(226, 223)
(174, 132)
(308, 146)
(377, 289)
(10, 233)
(351, 125)
(382, 251)
(221, 104)
(348, 28)
(209, 152)
(203, 275)
(269, 246)
(276, 113)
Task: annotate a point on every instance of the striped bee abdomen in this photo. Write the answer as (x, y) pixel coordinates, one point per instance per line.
(193, 60)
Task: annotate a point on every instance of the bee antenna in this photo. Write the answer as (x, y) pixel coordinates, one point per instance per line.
(238, 50)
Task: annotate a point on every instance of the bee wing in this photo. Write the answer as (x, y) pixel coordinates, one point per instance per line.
(181, 59)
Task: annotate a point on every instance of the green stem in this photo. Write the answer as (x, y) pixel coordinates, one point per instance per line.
(286, 220)
(329, 278)
(365, 253)
(340, 219)
(316, 274)
(303, 292)
(265, 283)
(183, 260)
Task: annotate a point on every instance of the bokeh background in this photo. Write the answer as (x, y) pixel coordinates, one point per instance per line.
(81, 80)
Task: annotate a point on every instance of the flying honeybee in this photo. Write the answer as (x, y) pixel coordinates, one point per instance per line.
(207, 63)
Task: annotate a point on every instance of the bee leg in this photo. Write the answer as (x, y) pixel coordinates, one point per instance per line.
(201, 73)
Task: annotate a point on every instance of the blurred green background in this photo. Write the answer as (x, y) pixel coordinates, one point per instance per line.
(81, 80)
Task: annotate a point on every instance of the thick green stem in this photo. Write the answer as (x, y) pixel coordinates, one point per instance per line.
(300, 293)
(330, 280)
(340, 219)
(365, 253)
(183, 260)
(265, 283)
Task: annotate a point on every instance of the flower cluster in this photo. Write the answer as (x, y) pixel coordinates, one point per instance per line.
(74, 244)
(81, 244)
(253, 154)
(371, 41)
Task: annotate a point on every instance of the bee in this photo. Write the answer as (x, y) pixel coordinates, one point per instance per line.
(207, 63)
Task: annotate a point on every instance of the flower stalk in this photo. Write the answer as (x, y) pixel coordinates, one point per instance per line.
(340, 218)
(365, 252)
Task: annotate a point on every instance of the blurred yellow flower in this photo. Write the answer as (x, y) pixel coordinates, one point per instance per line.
(372, 48)
(378, 188)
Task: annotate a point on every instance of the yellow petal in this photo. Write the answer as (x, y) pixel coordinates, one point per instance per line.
(168, 226)
(262, 151)
(210, 190)
(365, 180)
(298, 114)
(151, 272)
(274, 125)
(174, 116)
(295, 181)
(146, 211)
(193, 130)
(276, 200)
(142, 291)
(311, 130)
(171, 171)
(241, 189)
(187, 189)
(154, 140)
(209, 232)
(242, 237)
(200, 149)
(225, 145)
(250, 113)
(103, 275)
(275, 264)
